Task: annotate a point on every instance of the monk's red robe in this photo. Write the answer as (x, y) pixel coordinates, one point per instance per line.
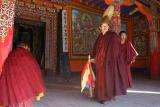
(126, 56)
(21, 79)
(110, 81)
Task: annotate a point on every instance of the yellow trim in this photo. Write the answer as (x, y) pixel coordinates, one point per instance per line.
(38, 98)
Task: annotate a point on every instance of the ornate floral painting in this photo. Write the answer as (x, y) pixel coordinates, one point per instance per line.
(85, 30)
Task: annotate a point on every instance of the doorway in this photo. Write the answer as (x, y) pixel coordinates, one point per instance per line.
(33, 33)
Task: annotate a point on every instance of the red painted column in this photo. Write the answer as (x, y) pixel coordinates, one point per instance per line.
(6, 28)
(154, 64)
(116, 19)
(159, 50)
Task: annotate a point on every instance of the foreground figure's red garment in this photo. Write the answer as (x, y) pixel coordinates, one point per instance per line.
(110, 81)
(21, 79)
(127, 55)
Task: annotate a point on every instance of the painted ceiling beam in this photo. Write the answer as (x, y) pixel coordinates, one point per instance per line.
(103, 6)
(144, 3)
(96, 3)
(100, 2)
(89, 1)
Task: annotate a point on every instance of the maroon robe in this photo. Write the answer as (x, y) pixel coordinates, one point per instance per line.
(109, 75)
(21, 78)
(126, 56)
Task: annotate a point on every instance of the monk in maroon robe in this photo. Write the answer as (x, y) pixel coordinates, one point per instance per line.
(110, 81)
(127, 57)
(21, 79)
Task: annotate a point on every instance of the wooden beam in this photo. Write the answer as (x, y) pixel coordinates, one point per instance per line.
(155, 1)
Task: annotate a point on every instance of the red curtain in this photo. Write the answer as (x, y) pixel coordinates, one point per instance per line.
(7, 8)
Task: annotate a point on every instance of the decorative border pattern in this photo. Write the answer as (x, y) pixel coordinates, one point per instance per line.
(6, 17)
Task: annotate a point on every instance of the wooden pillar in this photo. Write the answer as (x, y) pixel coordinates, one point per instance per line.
(116, 19)
(153, 39)
(159, 48)
(7, 10)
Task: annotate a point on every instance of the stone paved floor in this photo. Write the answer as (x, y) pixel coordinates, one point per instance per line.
(145, 93)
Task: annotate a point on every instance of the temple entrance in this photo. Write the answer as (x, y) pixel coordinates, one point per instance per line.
(33, 33)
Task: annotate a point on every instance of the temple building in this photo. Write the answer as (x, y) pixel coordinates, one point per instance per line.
(61, 33)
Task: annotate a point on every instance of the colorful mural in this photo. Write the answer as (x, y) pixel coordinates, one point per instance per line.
(140, 44)
(85, 30)
(140, 30)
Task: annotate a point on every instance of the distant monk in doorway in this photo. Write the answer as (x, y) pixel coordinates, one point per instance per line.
(110, 81)
(21, 79)
(127, 57)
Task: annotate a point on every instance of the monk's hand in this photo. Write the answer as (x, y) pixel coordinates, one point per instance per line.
(93, 60)
(133, 60)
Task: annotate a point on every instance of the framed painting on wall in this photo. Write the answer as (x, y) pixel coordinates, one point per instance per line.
(85, 30)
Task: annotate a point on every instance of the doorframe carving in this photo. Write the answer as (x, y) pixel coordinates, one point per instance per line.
(50, 19)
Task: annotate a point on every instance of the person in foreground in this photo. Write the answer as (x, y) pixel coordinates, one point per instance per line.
(127, 57)
(109, 75)
(21, 79)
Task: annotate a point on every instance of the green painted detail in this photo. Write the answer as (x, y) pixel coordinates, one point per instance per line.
(82, 7)
(78, 59)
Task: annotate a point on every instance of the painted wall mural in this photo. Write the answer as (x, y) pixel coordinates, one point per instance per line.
(140, 44)
(140, 30)
(85, 30)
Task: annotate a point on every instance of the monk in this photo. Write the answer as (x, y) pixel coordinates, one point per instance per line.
(127, 57)
(21, 79)
(109, 75)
